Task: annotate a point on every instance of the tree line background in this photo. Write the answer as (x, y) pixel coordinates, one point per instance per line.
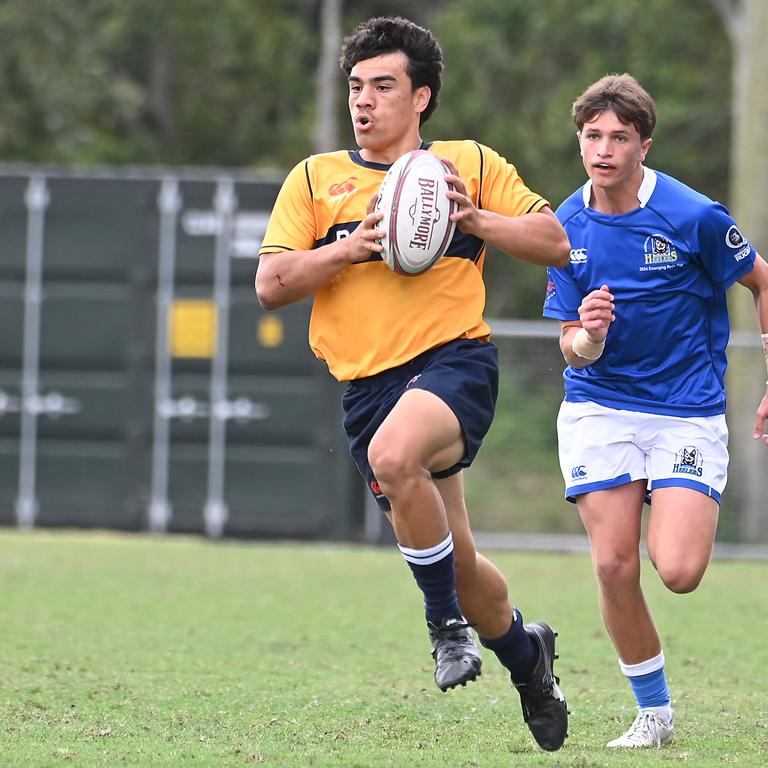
(233, 83)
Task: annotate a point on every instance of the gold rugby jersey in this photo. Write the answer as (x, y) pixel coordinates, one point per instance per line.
(368, 318)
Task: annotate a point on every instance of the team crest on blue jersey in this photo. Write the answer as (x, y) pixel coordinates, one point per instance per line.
(659, 250)
(734, 238)
(688, 461)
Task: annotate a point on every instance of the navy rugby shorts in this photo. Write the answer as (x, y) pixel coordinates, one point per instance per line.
(463, 373)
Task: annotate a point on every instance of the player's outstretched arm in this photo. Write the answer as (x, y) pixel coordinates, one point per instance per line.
(285, 277)
(538, 238)
(757, 282)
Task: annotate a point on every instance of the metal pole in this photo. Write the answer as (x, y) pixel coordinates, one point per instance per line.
(169, 203)
(216, 511)
(36, 199)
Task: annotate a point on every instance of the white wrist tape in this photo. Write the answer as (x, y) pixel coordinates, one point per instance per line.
(764, 338)
(584, 347)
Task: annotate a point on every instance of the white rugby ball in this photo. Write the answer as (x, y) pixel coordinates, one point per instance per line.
(417, 213)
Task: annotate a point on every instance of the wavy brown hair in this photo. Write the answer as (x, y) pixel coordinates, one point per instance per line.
(382, 35)
(623, 95)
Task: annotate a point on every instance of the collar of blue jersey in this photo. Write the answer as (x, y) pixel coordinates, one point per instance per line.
(647, 186)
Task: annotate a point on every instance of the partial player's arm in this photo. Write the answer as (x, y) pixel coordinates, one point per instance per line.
(582, 341)
(285, 277)
(757, 282)
(538, 237)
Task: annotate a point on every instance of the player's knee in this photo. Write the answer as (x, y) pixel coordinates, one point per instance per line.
(614, 568)
(391, 466)
(680, 578)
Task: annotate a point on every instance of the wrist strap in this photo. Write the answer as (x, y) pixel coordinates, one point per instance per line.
(584, 347)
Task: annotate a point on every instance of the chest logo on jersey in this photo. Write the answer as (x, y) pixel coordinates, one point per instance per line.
(342, 188)
(578, 256)
(659, 250)
(688, 461)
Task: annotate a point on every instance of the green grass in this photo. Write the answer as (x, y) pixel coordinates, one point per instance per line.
(138, 651)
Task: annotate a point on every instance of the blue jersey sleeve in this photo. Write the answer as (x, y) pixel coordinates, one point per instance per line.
(563, 295)
(725, 253)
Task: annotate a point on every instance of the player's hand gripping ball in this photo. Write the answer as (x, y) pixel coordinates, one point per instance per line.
(416, 213)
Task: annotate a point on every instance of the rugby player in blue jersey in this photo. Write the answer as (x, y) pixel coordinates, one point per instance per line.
(644, 329)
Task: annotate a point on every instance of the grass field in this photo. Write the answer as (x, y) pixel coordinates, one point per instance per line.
(137, 651)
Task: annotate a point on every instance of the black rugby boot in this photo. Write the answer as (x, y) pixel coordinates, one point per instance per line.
(544, 708)
(457, 658)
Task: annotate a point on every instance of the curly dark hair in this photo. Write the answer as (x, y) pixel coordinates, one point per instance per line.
(382, 35)
(623, 95)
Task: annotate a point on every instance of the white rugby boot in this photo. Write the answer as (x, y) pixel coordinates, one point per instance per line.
(650, 729)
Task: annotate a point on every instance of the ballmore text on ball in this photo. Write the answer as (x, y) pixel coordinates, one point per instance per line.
(423, 233)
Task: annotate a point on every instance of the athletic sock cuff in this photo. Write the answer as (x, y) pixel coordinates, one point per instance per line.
(429, 555)
(643, 667)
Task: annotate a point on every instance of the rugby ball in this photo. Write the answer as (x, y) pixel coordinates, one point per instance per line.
(417, 213)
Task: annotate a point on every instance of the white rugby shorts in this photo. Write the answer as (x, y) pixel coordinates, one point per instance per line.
(603, 447)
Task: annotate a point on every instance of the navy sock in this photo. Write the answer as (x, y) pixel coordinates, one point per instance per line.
(434, 571)
(516, 650)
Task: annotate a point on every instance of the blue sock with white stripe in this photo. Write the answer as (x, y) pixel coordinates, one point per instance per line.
(649, 683)
(433, 569)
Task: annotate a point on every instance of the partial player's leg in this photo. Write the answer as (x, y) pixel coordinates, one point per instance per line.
(481, 588)
(688, 470)
(527, 651)
(421, 435)
(612, 520)
(681, 534)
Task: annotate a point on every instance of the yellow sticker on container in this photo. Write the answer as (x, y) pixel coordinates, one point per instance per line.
(270, 331)
(193, 328)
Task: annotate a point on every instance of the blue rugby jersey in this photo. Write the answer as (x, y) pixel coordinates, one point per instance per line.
(668, 264)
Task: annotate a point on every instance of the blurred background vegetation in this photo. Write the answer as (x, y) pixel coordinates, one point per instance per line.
(233, 83)
(240, 83)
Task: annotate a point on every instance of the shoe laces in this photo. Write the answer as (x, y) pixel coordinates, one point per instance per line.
(451, 628)
(645, 724)
(451, 637)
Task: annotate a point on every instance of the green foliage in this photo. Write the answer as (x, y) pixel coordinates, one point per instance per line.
(209, 83)
(139, 651)
(514, 69)
(232, 82)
